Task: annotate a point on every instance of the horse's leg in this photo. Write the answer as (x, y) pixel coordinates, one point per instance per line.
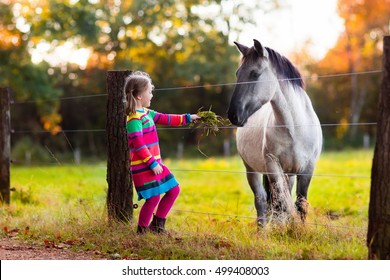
(303, 182)
(255, 182)
(267, 189)
(291, 181)
(279, 186)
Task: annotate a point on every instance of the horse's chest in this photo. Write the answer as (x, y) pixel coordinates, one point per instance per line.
(255, 143)
(293, 145)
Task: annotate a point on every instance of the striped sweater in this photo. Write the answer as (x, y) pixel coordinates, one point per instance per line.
(145, 151)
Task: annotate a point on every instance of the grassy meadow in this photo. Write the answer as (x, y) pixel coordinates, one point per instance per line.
(213, 218)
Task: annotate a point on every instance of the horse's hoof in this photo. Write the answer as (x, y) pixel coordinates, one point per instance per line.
(261, 222)
(302, 206)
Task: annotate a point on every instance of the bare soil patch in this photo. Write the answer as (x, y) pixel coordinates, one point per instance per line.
(13, 249)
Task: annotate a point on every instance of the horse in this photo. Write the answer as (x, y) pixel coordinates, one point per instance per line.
(279, 136)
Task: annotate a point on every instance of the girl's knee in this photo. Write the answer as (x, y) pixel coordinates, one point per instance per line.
(154, 200)
(174, 191)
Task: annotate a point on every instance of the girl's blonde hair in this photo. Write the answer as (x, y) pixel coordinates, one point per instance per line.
(136, 83)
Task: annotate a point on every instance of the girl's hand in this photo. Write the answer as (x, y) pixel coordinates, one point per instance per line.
(157, 169)
(194, 118)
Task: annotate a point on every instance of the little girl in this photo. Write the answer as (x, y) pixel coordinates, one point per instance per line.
(150, 176)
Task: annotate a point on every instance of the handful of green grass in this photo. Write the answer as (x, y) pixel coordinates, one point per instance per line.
(209, 121)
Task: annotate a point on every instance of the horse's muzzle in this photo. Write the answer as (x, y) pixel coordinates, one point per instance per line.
(234, 119)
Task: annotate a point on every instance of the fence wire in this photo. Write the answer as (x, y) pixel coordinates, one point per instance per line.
(201, 128)
(363, 230)
(312, 77)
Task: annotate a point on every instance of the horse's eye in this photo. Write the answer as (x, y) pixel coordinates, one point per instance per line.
(254, 74)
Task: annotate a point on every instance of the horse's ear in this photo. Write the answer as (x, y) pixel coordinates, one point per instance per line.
(260, 49)
(243, 49)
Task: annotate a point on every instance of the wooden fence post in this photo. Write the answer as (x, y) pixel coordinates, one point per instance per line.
(378, 236)
(120, 191)
(5, 146)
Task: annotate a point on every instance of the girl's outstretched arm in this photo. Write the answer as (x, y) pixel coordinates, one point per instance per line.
(172, 119)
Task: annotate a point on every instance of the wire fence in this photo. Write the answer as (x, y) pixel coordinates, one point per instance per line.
(102, 130)
(196, 128)
(232, 216)
(312, 77)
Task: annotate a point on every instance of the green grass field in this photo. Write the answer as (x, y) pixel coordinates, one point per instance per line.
(213, 218)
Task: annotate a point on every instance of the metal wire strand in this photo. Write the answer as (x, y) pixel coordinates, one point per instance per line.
(312, 77)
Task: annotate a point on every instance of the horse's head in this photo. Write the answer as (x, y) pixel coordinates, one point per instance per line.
(256, 83)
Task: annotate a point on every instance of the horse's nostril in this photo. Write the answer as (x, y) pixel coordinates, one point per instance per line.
(233, 118)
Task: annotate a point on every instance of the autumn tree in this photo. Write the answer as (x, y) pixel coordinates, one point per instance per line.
(29, 81)
(358, 49)
(179, 43)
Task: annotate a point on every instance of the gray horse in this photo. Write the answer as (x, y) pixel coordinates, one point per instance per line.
(279, 136)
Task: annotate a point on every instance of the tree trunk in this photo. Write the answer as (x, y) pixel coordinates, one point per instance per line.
(5, 146)
(120, 191)
(378, 236)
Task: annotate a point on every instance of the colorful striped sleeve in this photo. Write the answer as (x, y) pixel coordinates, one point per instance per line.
(137, 145)
(170, 119)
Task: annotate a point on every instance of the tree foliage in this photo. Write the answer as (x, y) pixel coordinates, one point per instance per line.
(53, 52)
(353, 97)
(180, 43)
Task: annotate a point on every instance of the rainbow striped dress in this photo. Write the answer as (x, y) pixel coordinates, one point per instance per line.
(145, 151)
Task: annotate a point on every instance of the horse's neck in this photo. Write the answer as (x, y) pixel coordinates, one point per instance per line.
(284, 105)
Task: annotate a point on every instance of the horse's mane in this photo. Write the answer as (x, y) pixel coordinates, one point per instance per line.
(284, 68)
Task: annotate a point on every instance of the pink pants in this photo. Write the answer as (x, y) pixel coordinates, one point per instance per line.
(164, 206)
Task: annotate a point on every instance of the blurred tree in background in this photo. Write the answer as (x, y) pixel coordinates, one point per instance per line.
(54, 56)
(352, 98)
(54, 52)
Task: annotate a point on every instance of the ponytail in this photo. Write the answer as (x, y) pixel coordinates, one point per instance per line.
(130, 103)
